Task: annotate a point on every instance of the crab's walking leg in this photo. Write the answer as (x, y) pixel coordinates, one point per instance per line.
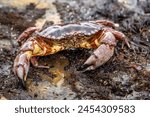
(106, 23)
(103, 53)
(25, 35)
(119, 36)
(36, 64)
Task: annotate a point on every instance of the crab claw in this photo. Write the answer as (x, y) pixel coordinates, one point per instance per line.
(100, 56)
(21, 66)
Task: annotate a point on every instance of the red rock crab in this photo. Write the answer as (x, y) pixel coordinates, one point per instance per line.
(99, 35)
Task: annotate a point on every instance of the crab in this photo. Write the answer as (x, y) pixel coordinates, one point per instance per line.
(99, 35)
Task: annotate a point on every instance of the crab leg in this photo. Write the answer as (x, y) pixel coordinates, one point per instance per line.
(25, 35)
(35, 63)
(119, 36)
(102, 54)
(106, 23)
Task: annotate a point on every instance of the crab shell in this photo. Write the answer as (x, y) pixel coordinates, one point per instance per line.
(71, 35)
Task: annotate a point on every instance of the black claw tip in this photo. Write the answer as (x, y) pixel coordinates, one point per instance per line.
(22, 84)
(83, 67)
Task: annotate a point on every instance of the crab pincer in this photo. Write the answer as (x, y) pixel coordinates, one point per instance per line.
(105, 50)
